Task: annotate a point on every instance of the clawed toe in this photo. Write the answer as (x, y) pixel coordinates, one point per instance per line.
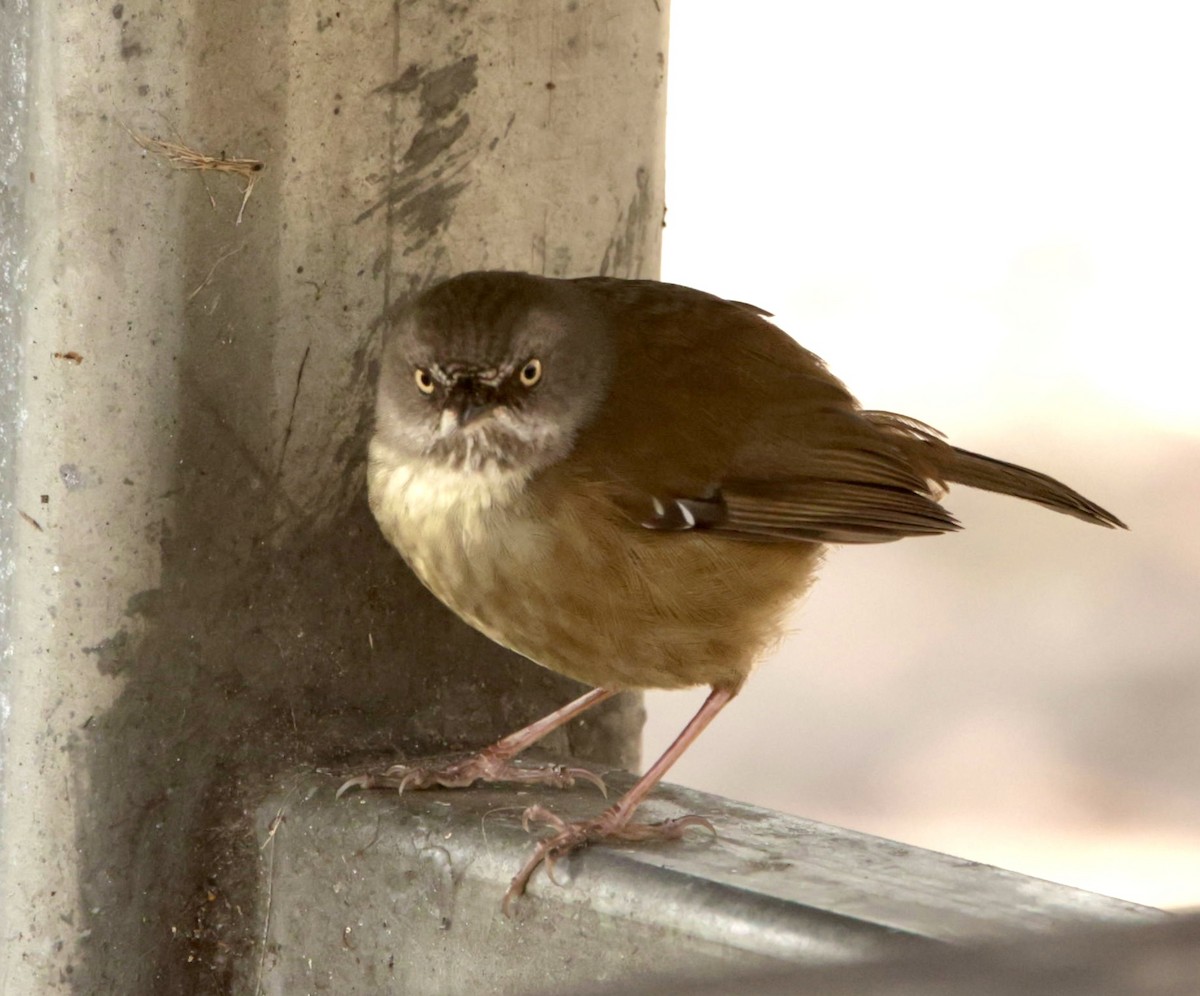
(666, 830)
(540, 814)
(570, 836)
(492, 765)
(396, 777)
(457, 771)
(364, 781)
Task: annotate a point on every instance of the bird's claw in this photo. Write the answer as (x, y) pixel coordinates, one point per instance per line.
(570, 836)
(456, 771)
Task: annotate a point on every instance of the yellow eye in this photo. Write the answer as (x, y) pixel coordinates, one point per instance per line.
(424, 380)
(531, 373)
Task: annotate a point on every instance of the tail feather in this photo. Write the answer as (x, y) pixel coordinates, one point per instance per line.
(941, 462)
(989, 474)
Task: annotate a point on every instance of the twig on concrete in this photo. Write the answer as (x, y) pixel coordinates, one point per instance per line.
(182, 157)
(208, 279)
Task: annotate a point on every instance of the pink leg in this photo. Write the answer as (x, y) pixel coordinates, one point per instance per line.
(494, 763)
(614, 822)
(514, 743)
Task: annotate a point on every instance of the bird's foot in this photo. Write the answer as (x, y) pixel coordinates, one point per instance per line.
(461, 771)
(612, 824)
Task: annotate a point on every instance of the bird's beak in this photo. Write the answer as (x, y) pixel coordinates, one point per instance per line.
(470, 399)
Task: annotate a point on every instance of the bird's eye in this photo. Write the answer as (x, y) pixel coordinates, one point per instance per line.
(424, 379)
(531, 373)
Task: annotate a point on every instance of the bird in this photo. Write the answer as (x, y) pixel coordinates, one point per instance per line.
(630, 482)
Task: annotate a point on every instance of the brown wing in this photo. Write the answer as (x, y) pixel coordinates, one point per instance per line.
(717, 420)
(812, 510)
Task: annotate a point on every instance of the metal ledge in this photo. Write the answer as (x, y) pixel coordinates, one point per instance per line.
(374, 893)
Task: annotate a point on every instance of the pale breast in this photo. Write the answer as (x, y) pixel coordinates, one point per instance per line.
(463, 533)
(566, 581)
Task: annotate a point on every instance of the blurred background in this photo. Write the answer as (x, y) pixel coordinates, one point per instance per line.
(986, 216)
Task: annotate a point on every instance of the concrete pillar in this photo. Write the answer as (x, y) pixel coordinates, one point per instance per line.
(201, 599)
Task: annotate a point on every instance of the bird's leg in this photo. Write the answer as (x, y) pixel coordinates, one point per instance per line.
(494, 763)
(614, 823)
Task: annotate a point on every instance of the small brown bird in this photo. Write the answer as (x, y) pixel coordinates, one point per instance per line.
(629, 482)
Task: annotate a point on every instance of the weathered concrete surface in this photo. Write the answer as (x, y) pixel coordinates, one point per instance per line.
(200, 594)
(377, 893)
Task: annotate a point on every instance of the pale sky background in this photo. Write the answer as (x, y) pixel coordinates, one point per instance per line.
(986, 216)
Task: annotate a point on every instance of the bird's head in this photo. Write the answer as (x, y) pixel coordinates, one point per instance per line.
(493, 370)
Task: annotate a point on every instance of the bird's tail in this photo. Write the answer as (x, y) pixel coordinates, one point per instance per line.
(950, 464)
(989, 474)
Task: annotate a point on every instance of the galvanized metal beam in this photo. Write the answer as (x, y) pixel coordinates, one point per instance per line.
(378, 893)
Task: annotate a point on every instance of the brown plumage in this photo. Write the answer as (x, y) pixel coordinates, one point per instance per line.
(630, 482)
(733, 409)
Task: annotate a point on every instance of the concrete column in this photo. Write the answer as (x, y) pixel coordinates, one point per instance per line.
(200, 599)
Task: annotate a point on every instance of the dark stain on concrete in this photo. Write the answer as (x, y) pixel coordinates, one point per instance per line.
(147, 604)
(427, 178)
(624, 253)
(424, 216)
(131, 47)
(443, 89)
(433, 141)
(406, 82)
(111, 653)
